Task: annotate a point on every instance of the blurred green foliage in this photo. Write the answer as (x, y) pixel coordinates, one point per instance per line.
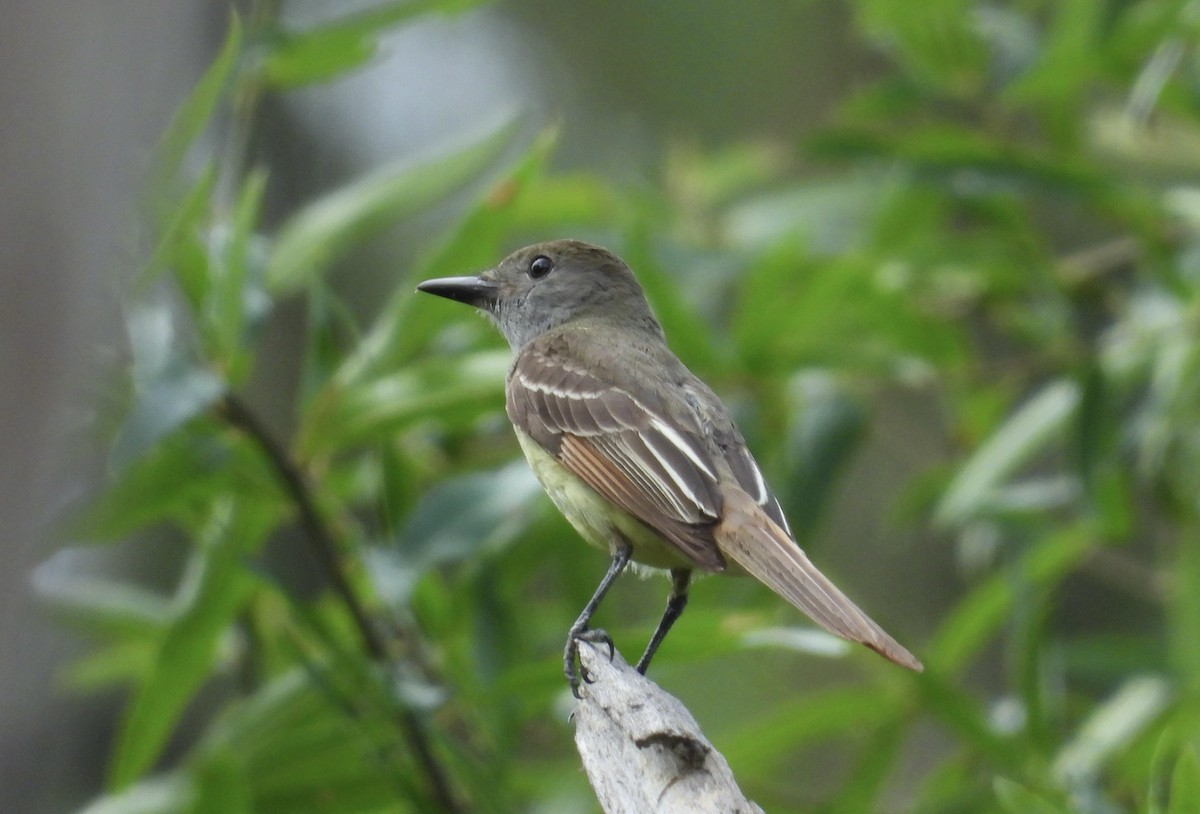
(921, 262)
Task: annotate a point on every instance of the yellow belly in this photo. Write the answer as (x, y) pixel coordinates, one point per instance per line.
(598, 521)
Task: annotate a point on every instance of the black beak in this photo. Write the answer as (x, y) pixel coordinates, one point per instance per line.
(471, 290)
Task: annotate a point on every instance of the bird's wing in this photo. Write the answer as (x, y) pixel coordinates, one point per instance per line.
(660, 470)
(737, 455)
(653, 468)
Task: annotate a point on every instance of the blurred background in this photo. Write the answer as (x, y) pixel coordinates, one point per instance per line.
(940, 259)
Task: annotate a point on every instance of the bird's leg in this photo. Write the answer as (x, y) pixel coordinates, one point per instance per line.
(580, 630)
(676, 602)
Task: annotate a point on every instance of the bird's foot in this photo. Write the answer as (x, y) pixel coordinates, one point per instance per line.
(573, 669)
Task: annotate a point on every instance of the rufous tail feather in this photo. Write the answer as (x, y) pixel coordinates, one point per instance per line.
(748, 537)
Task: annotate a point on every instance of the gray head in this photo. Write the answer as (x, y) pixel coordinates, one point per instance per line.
(547, 285)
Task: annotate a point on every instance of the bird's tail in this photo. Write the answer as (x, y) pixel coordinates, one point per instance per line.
(756, 543)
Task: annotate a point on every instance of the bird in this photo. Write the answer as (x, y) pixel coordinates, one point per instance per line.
(641, 456)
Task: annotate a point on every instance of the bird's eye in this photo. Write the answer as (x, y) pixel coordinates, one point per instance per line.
(540, 266)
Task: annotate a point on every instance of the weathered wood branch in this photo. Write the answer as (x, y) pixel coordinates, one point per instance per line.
(643, 751)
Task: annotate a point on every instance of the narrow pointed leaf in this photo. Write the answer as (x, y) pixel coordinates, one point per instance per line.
(312, 238)
(324, 52)
(1016, 799)
(1110, 727)
(1185, 784)
(213, 593)
(194, 114)
(406, 324)
(986, 609)
(1041, 420)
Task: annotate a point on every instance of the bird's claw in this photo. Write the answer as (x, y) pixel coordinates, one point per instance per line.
(573, 669)
(598, 636)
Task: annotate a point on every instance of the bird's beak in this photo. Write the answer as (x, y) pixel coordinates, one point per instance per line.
(472, 290)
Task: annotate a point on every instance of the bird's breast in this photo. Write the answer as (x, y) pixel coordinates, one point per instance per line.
(598, 521)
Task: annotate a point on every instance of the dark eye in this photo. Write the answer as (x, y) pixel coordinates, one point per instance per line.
(540, 266)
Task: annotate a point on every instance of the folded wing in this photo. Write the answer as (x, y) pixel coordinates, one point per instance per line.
(656, 471)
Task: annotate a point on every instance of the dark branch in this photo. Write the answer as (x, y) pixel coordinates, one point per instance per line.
(315, 531)
(324, 547)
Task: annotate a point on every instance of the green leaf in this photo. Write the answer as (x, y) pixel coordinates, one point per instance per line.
(1183, 609)
(123, 664)
(954, 708)
(151, 329)
(176, 481)
(1024, 435)
(876, 763)
(1185, 784)
(827, 429)
(178, 235)
(310, 240)
(1160, 771)
(986, 609)
(1066, 65)
(563, 201)
(831, 216)
(316, 56)
(194, 114)
(1110, 727)
(214, 590)
(407, 324)
(690, 336)
(236, 279)
(179, 394)
(459, 516)
(937, 41)
(779, 281)
(130, 620)
(304, 750)
(334, 48)
(113, 609)
(1097, 434)
(172, 794)
(451, 390)
(709, 179)
(222, 786)
(795, 309)
(811, 718)
(941, 151)
(809, 640)
(168, 391)
(452, 521)
(1016, 799)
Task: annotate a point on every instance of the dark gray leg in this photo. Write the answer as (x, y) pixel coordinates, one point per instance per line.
(580, 630)
(676, 602)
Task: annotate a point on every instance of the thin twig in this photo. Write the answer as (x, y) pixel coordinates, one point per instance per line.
(319, 538)
(1092, 262)
(322, 543)
(1086, 265)
(1128, 574)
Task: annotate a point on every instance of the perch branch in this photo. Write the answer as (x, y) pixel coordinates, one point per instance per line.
(643, 751)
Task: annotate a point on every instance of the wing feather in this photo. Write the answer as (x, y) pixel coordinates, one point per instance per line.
(656, 471)
(750, 478)
(653, 462)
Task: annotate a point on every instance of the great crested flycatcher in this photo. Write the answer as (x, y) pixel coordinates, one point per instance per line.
(640, 456)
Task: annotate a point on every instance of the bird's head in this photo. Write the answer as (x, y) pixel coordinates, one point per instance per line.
(547, 285)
